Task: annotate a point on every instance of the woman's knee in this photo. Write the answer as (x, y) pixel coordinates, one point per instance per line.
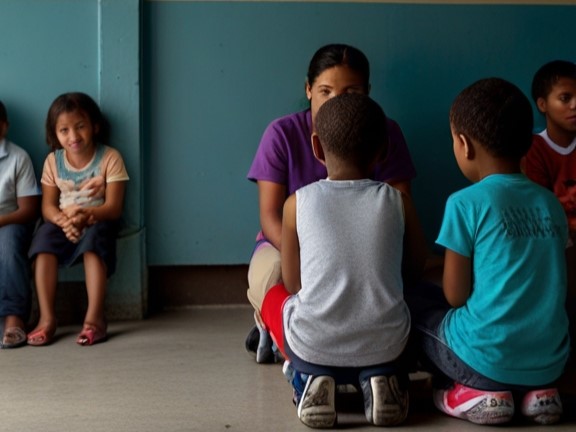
(264, 272)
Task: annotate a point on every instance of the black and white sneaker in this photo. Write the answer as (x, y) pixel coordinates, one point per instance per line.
(252, 340)
(259, 343)
(316, 407)
(385, 402)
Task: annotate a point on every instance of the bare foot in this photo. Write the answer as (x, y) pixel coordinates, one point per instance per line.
(14, 321)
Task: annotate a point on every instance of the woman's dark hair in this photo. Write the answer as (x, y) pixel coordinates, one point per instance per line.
(337, 55)
(71, 102)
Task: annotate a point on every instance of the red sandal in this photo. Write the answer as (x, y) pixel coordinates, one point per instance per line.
(91, 335)
(41, 336)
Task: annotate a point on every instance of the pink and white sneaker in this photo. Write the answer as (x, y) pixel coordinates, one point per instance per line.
(476, 406)
(543, 406)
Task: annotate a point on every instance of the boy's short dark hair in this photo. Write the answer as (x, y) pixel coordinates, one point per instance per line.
(3, 113)
(548, 75)
(496, 114)
(352, 127)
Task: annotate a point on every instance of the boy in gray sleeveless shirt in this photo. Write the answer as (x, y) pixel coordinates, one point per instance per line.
(347, 243)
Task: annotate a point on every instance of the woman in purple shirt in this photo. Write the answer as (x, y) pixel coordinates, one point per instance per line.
(284, 162)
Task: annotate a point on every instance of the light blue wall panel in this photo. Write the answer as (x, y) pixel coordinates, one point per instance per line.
(217, 73)
(46, 48)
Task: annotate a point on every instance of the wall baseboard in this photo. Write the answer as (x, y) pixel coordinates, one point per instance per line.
(181, 286)
(169, 287)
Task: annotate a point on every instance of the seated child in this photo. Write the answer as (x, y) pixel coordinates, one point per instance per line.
(19, 210)
(340, 316)
(83, 185)
(551, 161)
(501, 332)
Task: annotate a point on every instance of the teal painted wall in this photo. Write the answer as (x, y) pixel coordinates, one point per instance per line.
(39, 60)
(217, 73)
(48, 47)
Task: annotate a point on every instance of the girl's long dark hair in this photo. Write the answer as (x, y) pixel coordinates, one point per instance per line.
(71, 102)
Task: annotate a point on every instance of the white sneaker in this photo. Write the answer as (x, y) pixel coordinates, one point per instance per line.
(316, 408)
(385, 403)
(543, 406)
(476, 406)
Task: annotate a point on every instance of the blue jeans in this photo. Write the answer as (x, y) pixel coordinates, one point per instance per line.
(428, 307)
(15, 270)
(299, 370)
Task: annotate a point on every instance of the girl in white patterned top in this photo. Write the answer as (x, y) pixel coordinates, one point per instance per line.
(83, 183)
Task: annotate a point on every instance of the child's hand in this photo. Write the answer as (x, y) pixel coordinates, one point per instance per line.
(81, 219)
(96, 187)
(73, 221)
(72, 211)
(71, 230)
(61, 219)
(73, 233)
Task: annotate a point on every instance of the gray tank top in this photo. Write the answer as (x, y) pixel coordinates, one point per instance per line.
(350, 310)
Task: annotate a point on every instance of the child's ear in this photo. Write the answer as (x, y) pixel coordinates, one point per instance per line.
(317, 149)
(467, 146)
(541, 104)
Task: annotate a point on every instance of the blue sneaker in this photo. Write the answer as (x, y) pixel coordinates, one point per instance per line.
(296, 379)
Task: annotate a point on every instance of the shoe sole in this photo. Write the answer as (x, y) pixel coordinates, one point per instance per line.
(13, 345)
(317, 407)
(545, 409)
(389, 405)
(478, 410)
(545, 419)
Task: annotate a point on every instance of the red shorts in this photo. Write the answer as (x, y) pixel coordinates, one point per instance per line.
(272, 314)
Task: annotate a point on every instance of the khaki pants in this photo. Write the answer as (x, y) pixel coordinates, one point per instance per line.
(263, 273)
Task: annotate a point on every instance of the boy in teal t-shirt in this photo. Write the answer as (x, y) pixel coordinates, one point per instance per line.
(504, 330)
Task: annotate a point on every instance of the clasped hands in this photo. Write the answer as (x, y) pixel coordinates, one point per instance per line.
(75, 219)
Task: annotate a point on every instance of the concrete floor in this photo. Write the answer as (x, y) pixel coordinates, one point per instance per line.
(178, 371)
